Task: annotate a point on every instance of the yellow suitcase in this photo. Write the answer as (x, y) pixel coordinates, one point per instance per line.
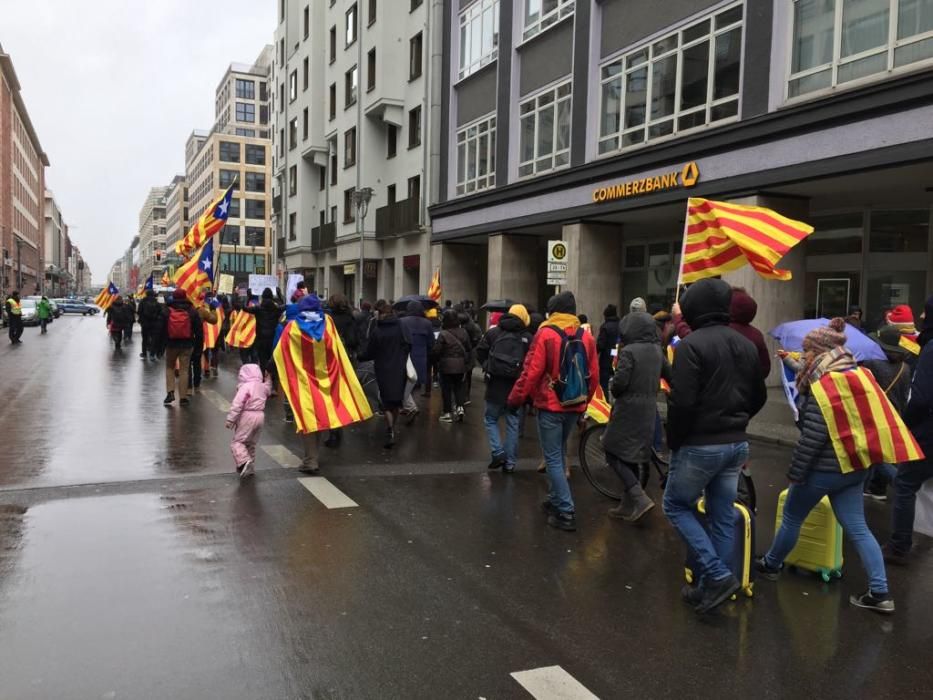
(819, 548)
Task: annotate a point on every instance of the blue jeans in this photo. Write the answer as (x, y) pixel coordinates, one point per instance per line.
(491, 418)
(910, 477)
(715, 470)
(553, 432)
(845, 495)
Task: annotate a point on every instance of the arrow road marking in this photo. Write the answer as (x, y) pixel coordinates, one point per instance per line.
(552, 683)
(327, 493)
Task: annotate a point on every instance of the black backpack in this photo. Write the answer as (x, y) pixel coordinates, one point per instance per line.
(507, 355)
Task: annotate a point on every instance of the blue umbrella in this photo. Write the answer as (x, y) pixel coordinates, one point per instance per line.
(790, 335)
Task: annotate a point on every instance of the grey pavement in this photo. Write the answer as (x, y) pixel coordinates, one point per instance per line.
(133, 564)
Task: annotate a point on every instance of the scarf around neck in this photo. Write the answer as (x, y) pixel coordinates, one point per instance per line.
(838, 359)
(562, 321)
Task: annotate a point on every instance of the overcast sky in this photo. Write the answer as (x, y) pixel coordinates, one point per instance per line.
(114, 88)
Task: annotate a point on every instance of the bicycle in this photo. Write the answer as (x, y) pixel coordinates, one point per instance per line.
(598, 472)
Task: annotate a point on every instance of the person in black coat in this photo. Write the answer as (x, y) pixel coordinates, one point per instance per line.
(130, 304)
(606, 342)
(422, 340)
(342, 315)
(150, 317)
(267, 314)
(388, 347)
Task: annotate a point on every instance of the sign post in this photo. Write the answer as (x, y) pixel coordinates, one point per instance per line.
(557, 264)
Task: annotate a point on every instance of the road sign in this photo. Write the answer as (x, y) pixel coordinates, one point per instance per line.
(557, 263)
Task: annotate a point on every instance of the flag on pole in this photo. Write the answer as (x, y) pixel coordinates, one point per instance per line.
(212, 330)
(722, 237)
(789, 382)
(197, 275)
(150, 283)
(319, 381)
(864, 426)
(106, 296)
(242, 333)
(434, 289)
(598, 408)
(166, 280)
(211, 222)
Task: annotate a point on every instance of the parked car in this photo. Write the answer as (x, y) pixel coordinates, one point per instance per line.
(30, 317)
(72, 306)
(56, 312)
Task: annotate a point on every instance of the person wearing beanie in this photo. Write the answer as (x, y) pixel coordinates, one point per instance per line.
(501, 353)
(911, 476)
(606, 341)
(180, 325)
(716, 388)
(557, 414)
(902, 318)
(816, 467)
(638, 305)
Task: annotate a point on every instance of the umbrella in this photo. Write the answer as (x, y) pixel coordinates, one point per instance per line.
(497, 305)
(401, 304)
(790, 336)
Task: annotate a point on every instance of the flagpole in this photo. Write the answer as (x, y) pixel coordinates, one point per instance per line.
(683, 251)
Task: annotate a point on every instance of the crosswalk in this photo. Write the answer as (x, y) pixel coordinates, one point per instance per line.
(552, 683)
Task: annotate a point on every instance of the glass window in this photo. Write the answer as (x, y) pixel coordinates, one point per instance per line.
(245, 112)
(682, 81)
(838, 41)
(479, 36)
(349, 212)
(230, 235)
(391, 140)
(333, 44)
(293, 181)
(541, 14)
(350, 87)
(255, 155)
(905, 231)
(332, 108)
(371, 70)
(372, 11)
(255, 182)
(414, 56)
(293, 133)
(255, 209)
(414, 127)
(349, 147)
(225, 178)
(293, 86)
(307, 21)
(305, 73)
(245, 89)
(835, 235)
(545, 131)
(229, 152)
(234, 211)
(255, 235)
(351, 24)
(476, 156)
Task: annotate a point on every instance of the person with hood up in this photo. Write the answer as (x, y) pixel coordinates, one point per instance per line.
(556, 421)
(911, 476)
(130, 304)
(716, 387)
(629, 436)
(501, 353)
(118, 316)
(246, 417)
(150, 316)
(421, 333)
(180, 325)
(267, 314)
(388, 347)
(742, 311)
(817, 470)
(44, 312)
(854, 318)
(606, 343)
(475, 334)
(453, 351)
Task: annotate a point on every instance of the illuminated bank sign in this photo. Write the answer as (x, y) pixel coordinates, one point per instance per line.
(687, 176)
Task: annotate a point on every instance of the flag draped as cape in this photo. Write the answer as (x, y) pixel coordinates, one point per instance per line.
(242, 333)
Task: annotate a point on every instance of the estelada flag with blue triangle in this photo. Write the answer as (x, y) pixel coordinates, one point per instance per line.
(150, 283)
(106, 296)
(211, 221)
(196, 276)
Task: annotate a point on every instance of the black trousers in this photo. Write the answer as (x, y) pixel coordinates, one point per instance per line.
(452, 391)
(16, 327)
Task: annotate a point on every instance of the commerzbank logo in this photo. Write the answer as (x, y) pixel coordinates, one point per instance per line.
(686, 176)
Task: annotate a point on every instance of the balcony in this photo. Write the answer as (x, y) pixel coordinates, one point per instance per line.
(324, 237)
(398, 219)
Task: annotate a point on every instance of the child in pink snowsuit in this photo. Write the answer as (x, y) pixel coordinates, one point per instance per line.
(246, 417)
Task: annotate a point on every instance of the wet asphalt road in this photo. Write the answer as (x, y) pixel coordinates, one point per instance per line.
(134, 565)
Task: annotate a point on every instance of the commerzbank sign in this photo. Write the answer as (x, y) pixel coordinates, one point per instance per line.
(687, 176)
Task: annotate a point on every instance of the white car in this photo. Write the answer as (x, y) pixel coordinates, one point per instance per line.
(30, 317)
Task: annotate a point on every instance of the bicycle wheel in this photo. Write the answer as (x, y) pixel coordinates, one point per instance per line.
(593, 463)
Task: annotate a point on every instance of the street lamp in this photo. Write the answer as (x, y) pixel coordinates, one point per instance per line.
(361, 199)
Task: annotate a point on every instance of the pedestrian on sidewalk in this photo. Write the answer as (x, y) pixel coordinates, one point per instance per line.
(388, 347)
(150, 316)
(816, 466)
(246, 417)
(911, 476)
(607, 342)
(560, 375)
(716, 387)
(452, 351)
(629, 436)
(422, 341)
(14, 316)
(44, 312)
(179, 321)
(501, 353)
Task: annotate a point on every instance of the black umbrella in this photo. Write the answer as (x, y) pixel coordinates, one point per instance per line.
(498, 305)
(427, 302)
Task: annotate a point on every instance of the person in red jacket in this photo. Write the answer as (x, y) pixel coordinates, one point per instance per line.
(555, 421)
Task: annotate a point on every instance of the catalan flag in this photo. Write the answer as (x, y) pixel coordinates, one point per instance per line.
(197, 275)
(723, 237)
(315, 371)
(434, 289)
(150, 282)
(909, 344)
(242, 333)
(211, 221)
(166, 279)
(212, 330)
(864, 426)
(598, 408)
(106, 296)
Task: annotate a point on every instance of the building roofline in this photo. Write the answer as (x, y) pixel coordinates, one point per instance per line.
(6, 65)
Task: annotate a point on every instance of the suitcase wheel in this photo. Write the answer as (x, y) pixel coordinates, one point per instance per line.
(825, 574)
(837, 573)
(749, 590)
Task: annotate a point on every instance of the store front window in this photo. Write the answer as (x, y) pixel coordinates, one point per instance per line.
(650, 272)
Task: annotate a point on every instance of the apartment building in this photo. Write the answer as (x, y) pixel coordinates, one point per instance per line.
(55, 233)
(357, 89)
(151, 234)
(176, 221)
(22, 189)
(237, 151)
(592, 122)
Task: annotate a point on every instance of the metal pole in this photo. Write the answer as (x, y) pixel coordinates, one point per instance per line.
(359, 139)
(19, 264)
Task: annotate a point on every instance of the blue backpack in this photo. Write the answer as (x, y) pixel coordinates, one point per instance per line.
(572, 384)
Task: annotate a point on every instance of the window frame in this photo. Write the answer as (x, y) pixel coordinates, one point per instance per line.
(563, 9)
(250, 184)
(352, 10)
(293, 86)
(349, 101)
(349, 148)
(471, 16)
(305, 73)
(292, 180)
(307, 21)
(245, 94)
(293, 133)
(391, 141)
(333, 44)
(553, 104)
(229, 145)
(349, 213)
(252, 147)
(889, 48)
(332, 113)
(371, 13)
(256, 203)
(626, 67)
(412, 132)
(371, 58)
(479, 182)
(416, 46)
(244, 110)
(305, 124)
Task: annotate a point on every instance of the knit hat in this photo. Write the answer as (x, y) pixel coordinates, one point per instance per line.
(179, 295)
(638, 304)
(563, 303)
(903, 318)
(825, 338)
(611, 311)
(521, 313)
(309, 302)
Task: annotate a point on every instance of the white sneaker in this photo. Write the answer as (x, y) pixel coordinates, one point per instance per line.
(248, 470)
(446, 418)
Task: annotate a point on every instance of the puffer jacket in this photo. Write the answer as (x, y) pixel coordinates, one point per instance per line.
(498, 388)
(919, 413)
(267, 315)
(894, 375)
(251, 393)
(452, 351)
(814, 450)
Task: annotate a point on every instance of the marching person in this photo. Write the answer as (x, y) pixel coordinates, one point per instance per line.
(453, 351)
(180, 321)
(422, 341)
(388, 347)
(150, 316)
(14, 314)
(606, 343)
(246, 417)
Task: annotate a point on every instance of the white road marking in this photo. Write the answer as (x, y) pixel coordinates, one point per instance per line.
(283, 456)
(327, 493)
(552, 683)
(216, 399)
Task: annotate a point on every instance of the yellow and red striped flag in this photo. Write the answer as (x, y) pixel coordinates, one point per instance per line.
(598, 408)
(864, 426)
(319, 381)
(106, 296)
(196, 276)
(722, 237)
(242, 333)
(909, 344)
(211, 221)
(166, 280)
(212, 330)
(434, 289)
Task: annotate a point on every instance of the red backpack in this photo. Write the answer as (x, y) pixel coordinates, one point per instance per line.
(179, 324)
